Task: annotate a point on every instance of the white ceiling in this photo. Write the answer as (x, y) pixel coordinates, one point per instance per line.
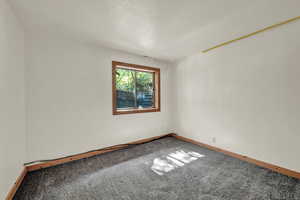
(164, 29)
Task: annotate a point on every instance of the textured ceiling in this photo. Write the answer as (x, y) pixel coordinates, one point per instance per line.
(163, 29)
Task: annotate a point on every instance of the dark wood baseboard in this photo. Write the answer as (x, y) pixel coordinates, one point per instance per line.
(272, 167)
(16, 185)
(89, 154)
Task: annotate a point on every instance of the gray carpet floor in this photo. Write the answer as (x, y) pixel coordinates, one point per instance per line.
(165, 169)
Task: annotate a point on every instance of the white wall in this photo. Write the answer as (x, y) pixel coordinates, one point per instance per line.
(70, 98)
(246, 95)
(12, 103)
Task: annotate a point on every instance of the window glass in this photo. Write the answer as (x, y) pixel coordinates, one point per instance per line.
(134, 89)
(144, 87)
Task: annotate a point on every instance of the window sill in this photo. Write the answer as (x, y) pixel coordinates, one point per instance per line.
(132, 111)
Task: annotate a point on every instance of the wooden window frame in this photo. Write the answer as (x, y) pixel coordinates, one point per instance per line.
(155, 71)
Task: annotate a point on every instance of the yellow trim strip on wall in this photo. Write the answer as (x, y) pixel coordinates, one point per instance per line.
(253, 33)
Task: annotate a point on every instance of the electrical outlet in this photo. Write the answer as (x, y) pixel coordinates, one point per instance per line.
(214, 140)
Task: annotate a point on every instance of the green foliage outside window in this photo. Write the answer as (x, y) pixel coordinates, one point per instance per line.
(134, 88)
(129, 80)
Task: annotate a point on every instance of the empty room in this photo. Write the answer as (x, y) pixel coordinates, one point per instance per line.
(149, 100)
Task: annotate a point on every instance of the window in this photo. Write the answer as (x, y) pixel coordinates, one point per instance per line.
(135, 88)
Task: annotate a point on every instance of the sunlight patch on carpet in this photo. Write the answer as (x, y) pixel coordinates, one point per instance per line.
(174, 160)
